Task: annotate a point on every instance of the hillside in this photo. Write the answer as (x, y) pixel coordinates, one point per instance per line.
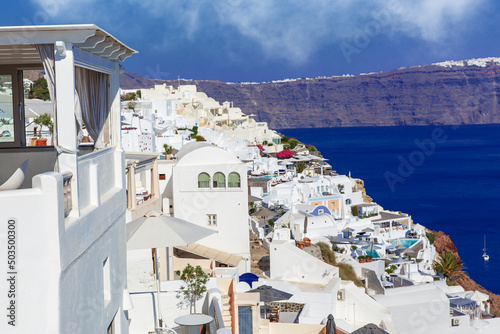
(464, 92)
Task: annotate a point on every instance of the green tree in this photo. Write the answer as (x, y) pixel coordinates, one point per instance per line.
(448, 264)
(293, 143)
(195, 280)
(39, 90)
(44, 120)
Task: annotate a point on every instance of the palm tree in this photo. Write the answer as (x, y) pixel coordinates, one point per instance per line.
(448, 264)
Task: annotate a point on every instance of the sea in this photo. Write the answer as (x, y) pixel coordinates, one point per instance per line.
(446, 177)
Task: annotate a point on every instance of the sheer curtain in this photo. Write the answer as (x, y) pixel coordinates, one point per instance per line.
(92, 103)
(46, 52)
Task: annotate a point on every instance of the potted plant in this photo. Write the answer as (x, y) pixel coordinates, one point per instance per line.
(168, 151)
(41, 121)
(369, 258)
(362, 259)
(195, 283)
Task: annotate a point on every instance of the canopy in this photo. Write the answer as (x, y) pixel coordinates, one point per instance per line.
(155, 230)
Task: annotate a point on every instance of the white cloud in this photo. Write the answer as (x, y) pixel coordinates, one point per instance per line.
(292, 30)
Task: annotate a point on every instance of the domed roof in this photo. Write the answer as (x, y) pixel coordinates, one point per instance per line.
(203, 153)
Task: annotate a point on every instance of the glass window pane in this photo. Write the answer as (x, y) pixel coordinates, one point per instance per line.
(203, 180)
(233, 180)
(6, 109)
(219, 180)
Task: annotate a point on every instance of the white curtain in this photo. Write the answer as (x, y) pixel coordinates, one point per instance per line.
(92, 102)
(46, 52)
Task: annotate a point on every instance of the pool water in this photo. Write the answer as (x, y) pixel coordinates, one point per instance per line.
(406, 242)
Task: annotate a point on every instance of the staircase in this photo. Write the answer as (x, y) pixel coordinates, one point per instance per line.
(226, 310)
(259, 256)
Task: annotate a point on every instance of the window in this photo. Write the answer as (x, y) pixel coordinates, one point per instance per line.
(348, 201)
(219, 180)
(233, 180)
(212, 219)
(203, 180)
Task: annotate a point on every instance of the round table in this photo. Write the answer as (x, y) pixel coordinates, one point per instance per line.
(193, 321)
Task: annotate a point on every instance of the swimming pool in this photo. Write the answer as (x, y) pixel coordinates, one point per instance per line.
(373, 253)
(406, 242)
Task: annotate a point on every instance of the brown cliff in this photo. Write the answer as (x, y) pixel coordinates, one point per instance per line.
(443, 244)
(426, 95)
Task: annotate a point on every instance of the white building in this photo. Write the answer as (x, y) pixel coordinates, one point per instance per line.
(67, 227)
(209, 188)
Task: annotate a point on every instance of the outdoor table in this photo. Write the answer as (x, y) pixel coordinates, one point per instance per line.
(193, 321)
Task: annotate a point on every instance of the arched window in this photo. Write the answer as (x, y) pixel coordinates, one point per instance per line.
(203, 180)
(219, 180)
(233, 180)
(348, 201)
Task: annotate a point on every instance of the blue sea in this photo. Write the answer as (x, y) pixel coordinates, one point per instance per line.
(447, 178)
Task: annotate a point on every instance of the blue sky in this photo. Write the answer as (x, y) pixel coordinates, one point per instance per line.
(263, 40)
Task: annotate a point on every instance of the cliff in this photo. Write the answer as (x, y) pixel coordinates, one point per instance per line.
(443, 244)
(444, 94)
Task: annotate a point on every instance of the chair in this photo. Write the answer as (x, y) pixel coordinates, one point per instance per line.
(274, 316)
(307, 242)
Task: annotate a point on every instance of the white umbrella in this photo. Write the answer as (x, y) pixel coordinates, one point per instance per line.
(155, 230)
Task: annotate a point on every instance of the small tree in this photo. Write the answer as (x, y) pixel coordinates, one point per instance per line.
(168, 149)
(44, 120)
(448, 264)
(195, 280)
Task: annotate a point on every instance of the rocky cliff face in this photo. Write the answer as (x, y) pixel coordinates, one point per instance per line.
(426, 95)
(443, 244)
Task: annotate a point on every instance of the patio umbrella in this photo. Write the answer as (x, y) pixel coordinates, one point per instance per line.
(270, 294)
(155, 230)
(264, 212)
(370, 329)
(331, 328)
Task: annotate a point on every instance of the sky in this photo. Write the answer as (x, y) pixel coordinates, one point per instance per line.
(264, 40)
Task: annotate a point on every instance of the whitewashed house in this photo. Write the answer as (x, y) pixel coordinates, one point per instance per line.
(66, 228)
(209, 188)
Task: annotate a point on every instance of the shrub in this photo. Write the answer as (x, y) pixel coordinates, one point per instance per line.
(431, 237)
(293, 143)
(199, 138)
(264, 142)
(347, 273)
(354, 211)
(284, 154)
(326, 253)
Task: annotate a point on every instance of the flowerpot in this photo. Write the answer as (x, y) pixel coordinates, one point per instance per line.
(362, 261)
(370, 260)
(41, 142)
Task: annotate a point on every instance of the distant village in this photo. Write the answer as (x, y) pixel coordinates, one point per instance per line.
(170, 212)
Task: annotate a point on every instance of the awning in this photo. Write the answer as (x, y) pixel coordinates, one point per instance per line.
(213, 254)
